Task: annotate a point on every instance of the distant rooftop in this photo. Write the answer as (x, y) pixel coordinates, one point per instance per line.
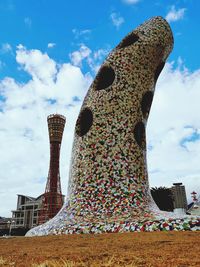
(177, 183)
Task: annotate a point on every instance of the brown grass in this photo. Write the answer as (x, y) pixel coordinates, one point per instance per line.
(157, 249)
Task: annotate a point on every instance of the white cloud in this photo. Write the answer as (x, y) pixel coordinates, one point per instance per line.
(174, 14)
(130, 2)
(81, 33)
(23, 127)
(92, 58)
(100, 54)
(28, 22)
(51, 45)
(96, 59)
(6, 48)
(39, 65)
(117, 20)
(78, 56)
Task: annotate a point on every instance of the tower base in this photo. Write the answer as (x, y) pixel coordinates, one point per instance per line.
(66, 223)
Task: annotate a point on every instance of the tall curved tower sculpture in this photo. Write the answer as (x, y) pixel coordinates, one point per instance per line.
(52, 199)
(108, 184)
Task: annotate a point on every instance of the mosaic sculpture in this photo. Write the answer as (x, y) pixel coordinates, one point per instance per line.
(108, 186)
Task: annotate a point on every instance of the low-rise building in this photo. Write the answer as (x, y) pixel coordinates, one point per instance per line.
(27, 212)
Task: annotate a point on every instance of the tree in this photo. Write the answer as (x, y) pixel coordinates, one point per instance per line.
(163, 198)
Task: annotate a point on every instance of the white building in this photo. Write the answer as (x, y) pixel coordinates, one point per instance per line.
(27, 212)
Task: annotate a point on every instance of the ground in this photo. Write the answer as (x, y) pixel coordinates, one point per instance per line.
(121, 249)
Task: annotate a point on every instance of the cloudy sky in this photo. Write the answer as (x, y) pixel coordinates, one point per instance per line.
(50, 52)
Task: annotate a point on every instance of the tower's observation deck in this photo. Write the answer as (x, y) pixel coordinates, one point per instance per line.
(56, 124)
(52, 200)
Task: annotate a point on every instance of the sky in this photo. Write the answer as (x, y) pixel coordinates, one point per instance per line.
(50, 52)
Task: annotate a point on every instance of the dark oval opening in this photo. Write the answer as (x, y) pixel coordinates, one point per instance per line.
(129, 40)
(139, 134)
(105, 77)
(146, 103)
(158, 71)
(84, 122)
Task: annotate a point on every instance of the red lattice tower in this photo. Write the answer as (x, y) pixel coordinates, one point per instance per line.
(52, 198)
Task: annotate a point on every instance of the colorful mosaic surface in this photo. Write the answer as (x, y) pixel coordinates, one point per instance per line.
(108, 186)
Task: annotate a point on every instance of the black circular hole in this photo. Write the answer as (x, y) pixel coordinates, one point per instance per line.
(105, 77)
(139, 134)
(158, 71)
(84, 122)
(146, 103)
(129, 40)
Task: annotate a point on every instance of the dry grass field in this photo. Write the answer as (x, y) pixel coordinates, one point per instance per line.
(128, 249)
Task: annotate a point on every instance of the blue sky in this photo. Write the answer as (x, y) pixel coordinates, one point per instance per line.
(37, 23)
(50, 52)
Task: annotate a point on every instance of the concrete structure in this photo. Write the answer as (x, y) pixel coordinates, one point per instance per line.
(52, 198)
(108, 183)
(179, 198)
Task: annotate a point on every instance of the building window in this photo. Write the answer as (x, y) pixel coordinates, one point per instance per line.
(29, 207)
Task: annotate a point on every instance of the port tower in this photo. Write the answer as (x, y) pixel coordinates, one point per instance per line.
(52, 199)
